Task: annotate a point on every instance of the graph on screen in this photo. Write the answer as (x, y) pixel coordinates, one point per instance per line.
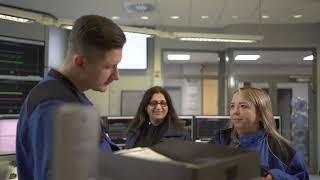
(8, 129)
(12, 95)
(20, 57)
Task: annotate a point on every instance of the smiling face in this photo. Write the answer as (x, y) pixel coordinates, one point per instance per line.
(243, 115)
(157, 109)
(101, 72)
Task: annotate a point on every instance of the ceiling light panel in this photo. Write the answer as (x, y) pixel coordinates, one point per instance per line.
(247, 57)
(212, 9)
(216, 40)
(64, 26)
(174, 17)
(240, 11)
(193, 57)
(276, 57)
(15, 18)
(297, 16)
(308, 58)
(115, 17)
(204, 17)
(232, 38)
(179, 8)
(178, 57)
(144, 17)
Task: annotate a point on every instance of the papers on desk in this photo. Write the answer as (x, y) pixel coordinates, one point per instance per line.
(144, 153)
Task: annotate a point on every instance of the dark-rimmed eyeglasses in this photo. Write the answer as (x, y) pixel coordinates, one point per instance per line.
(155, 103)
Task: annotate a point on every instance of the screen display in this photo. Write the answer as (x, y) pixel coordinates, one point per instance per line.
(208, 127)
(12, 95)
(8, 129)
(19, 57)
(134, 53)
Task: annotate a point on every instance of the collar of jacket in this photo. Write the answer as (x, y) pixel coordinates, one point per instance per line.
(252, 138)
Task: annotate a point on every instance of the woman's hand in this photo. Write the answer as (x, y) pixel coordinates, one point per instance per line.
(268, 177)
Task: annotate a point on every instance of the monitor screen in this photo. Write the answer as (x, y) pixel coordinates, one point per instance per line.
(8, 128)
(207, 126)
(134, 54)
(117, 128)
(12, 94)
(21, 57)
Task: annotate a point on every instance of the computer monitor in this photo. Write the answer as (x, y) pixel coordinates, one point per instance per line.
(21, 57)
(187, 120)
(8, 130)
(204, 127)
(117, 127)
(12, 95)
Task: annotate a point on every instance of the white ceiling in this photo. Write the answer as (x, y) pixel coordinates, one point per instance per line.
(220, 12)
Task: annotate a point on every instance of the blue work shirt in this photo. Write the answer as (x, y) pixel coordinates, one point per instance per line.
(294, 169)
(35, 131)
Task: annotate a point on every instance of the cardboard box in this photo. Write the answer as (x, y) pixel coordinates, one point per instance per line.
(192, 161)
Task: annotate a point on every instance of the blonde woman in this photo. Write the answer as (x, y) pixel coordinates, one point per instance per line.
(253, 128)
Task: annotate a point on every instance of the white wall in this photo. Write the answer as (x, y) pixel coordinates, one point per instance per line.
(126, 82)
(265, 69)
(57, 46)
(299, 90)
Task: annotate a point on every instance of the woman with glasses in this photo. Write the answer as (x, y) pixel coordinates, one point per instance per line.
(253, 129)
(155, 121)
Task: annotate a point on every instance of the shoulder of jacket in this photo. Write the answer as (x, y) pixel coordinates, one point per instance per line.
(284, 152)
(49, 90)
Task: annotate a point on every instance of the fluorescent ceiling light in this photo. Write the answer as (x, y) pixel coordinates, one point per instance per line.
(189, 36)
(146, 31)
(115, 17)
(235, 17)
(140, 34)
(308, 58)
(297, 16)
(174, 17)
(211, 37)
(232, 81)
(144, 17)
(64, 26)
(178, 57)
(15, 18)
(204, 17)
(247, 57)
(265, 17)
(218, 40)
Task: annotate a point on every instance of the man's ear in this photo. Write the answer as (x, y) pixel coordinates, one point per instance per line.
(78, 60)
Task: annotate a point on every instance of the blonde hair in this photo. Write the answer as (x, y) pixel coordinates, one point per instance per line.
(261, 100)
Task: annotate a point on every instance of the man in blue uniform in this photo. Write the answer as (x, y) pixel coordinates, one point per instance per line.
(94, 51)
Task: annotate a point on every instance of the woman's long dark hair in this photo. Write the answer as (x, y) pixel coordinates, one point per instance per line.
(142, 115)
